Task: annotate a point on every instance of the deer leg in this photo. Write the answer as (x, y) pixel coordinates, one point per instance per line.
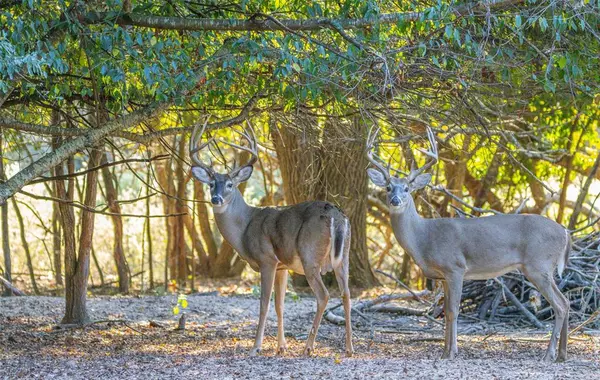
(545, 284)
(313, 276)
(564, 331)
(454, 283)
(280, 286)
(447, 322)
(341, 275)
(267, 277)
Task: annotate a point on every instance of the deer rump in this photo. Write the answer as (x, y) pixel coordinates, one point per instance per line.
(318, 229)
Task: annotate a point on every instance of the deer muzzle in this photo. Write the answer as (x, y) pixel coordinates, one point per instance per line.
(395, 201)
(216, 200)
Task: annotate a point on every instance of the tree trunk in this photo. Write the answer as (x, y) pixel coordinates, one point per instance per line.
(56, 228)
(567, 177)
(583, 193)
(205, 228)
(76, 311)
(115, 209)
(25, 246)
(148, 232)
(98, 267)
(346, 185)
(5, 235)
(335, 173)
(164, 176)
(181, 249)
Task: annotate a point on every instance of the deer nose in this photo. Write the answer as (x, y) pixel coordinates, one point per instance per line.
(395, 201)
(216, 200)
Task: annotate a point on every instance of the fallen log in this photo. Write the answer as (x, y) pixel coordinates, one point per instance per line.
(11, 287)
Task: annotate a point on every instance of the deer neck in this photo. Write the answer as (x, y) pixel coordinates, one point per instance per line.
(233, 219)
(408, 228)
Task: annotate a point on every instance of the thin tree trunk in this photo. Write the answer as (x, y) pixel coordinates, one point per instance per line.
(67, 215)
(196, 242)
(489, 180)
(5, 234)
(567, 177)
(97, 265)
(164, 178)
(56, 220)
(25, 246)
(205, 228)
(76, 310)
(181, 246)
(149, 233)
(583, 193)
(115, 209)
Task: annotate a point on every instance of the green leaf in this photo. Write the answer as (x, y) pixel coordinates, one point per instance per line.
(543, 23)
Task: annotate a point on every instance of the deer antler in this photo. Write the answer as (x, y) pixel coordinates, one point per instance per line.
(432, 153)
(252, 147)
(196, 147)
(370, 155)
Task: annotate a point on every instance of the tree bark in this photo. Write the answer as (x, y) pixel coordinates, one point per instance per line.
(76, 310)
(346, 185)
(583, 193)
(5, 234)
(148, 232)
(56, 219)
(567, 177)
(205, 228)
(115, 209)
(334, 171)
(269, 24)
(181, 248)
(25, 246)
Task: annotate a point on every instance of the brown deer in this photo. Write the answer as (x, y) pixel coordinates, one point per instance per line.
(455, 249)
(309, 238)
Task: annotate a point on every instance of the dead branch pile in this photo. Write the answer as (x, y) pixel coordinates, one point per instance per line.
(512, 298)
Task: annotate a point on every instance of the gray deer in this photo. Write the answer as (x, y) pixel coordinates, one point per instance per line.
(455, 249)
(309, 238)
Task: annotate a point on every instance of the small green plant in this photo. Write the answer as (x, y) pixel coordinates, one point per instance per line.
(182, 303)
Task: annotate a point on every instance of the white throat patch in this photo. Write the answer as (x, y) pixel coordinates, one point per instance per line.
(220, 209)
(396, 209)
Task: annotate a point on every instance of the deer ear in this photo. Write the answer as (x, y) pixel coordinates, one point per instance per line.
(243, 174)
(420, 181)
(377, 177)
(201, 174)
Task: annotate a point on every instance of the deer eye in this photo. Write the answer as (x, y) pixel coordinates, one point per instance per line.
(212, 185)
(229, 185)
(405, 188)
(389, 188)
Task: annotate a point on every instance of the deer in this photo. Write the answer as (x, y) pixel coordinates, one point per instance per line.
(456, 249)
(309, 238)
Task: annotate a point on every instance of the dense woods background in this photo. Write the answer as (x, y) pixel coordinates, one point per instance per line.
(98, 98)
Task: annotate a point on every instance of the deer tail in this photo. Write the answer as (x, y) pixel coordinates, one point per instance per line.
(338, 237)
(562, 263)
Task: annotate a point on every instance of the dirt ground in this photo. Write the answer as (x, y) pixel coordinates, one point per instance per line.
(220, 332)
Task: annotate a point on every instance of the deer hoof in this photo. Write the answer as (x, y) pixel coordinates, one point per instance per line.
(281, 350)
(308, 351)
(254, 352)
(349, 353)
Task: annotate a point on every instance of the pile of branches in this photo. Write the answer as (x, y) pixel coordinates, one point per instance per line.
(512, 298)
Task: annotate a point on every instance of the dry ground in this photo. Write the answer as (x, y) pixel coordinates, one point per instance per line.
(220, 332)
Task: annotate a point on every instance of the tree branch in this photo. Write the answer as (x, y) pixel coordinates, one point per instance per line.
(254, 24)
